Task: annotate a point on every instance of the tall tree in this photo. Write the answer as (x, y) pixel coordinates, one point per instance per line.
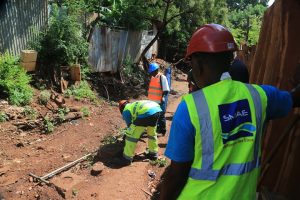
(242, 4)
(244, 19)
(204, 11)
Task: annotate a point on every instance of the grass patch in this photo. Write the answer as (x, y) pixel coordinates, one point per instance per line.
(3, 117)
(44, 97)
(83, 91)
(48, 126)
(161, 162)
(86, 112)
(30, 113)
(113, 139)
(62, 113)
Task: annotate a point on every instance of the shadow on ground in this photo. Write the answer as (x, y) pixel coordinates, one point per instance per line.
(109, 154)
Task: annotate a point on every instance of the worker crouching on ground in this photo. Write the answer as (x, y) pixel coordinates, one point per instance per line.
(139, 115)
(158, 92)
(215, 138)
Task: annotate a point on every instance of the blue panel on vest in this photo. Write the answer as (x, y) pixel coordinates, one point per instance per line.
(234, 114)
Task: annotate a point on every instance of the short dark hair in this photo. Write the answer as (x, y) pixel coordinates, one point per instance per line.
(219, 61)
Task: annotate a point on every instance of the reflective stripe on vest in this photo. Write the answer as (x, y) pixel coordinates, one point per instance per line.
(155, 91)
(206, 129)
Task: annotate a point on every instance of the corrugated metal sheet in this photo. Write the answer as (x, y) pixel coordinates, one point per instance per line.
(19, 22)
(108, 48)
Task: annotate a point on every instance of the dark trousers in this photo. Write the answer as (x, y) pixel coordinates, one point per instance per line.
(161, 124)
(148, 121)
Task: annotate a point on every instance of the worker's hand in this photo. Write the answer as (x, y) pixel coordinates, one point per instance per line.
(163, 99)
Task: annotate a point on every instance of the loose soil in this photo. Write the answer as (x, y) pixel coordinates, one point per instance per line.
(22, 153)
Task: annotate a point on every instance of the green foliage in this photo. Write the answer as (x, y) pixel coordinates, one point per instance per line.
(245, 20)
(86, 112)
(200, 12)
(113, 139)
(109, 139)
(48, 125)
(161, 162)
(131, 73)
(44, 97)
(3, 117)
(83, 91)
(61, 43)
(242, 4)
(128, 14)
(14, 82)
(30, 113)
(62, 113)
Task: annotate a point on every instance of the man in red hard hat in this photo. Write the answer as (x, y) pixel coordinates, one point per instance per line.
(215, 138)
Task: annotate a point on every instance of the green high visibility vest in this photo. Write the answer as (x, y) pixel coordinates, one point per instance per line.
(228, 118)
(140, 107)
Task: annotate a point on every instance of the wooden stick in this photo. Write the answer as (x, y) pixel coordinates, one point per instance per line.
(146, 192)
(64, 168)
(39, 178)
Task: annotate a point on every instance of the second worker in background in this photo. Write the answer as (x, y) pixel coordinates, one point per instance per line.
(157, 92)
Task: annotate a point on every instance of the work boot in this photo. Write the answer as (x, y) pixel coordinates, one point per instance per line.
(151, 156)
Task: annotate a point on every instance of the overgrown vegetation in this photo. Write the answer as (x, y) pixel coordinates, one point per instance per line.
(30, 113)
(44, 97)
(61, 43)
(161, 162)
(48, 125)
(113, 139)
(62, 113)
(131, 73)
(83, 91)
(86, 112)
(14, 82)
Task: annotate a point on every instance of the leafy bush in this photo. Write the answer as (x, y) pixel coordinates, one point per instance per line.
(132, 73)
(14, 82)
(30, 113)
(161, 162)
(86, 112)
(83, 91)
(62, 113)
(61, 43)
(44, 97)
(48, 125)
(3, 117)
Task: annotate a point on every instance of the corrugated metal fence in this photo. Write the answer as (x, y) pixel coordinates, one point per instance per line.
(20, 20)
(108, 48)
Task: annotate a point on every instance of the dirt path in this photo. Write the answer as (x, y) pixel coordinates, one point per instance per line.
(23, 153)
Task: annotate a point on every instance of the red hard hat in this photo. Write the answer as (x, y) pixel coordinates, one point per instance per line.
(122, 104)
(211, 38)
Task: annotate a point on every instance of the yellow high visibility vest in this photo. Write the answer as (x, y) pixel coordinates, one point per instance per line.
(140, 107)
(228, 118)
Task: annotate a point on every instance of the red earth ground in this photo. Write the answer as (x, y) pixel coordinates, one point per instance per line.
(40, 154)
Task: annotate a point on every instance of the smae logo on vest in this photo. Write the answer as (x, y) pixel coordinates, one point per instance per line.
(233, 116)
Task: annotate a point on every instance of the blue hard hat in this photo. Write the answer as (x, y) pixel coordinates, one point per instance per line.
(153, 67)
